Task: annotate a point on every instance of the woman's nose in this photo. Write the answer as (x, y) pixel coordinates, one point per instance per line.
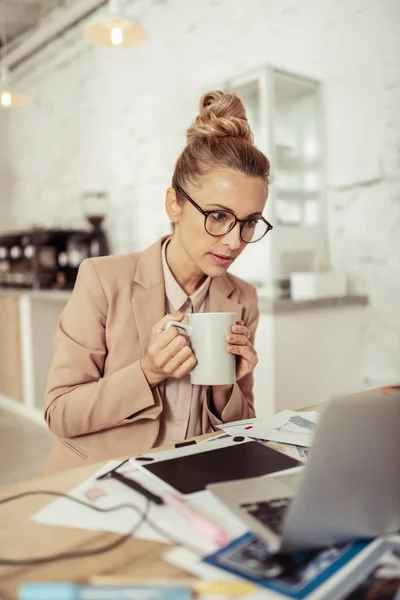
(232, 238)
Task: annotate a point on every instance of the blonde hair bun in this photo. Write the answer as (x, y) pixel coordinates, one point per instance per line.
(220, 115)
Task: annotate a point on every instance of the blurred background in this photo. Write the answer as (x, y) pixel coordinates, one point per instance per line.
(95, 99)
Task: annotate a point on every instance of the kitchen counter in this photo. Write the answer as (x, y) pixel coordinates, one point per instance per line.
(266, 305)
(280, 305)
(27, 327)
(309, 351)
(56, 295)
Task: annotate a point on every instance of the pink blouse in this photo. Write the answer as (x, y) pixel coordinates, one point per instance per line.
(181, 417)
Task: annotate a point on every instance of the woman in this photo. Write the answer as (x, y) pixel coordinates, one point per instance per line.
(119, 382)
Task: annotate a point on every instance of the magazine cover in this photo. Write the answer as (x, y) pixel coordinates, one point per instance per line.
(368, 570)
(294, 575)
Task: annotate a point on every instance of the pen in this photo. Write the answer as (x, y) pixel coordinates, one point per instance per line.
(133, 485)
(203, 525)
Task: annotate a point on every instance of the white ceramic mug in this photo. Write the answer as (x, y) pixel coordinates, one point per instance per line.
(207, 332)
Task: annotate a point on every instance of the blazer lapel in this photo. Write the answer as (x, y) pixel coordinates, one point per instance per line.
(221, 300)
(148, 293)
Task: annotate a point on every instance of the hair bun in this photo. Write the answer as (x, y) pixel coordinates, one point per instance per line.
(221, 115)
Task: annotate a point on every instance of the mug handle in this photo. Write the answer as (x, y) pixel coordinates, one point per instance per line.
(186, 328)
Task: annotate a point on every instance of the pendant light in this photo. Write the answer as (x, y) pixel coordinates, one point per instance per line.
(9, 96)
(115, 29)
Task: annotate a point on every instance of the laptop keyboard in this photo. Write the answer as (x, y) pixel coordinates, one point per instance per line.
(270, 513)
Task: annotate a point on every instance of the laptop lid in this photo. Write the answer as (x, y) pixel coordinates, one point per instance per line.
(350, 488)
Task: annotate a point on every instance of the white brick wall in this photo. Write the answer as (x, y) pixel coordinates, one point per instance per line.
(116, 121)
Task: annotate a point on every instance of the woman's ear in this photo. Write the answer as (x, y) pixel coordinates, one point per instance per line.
(172, 206)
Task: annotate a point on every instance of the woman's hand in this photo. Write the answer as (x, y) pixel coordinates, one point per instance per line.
(169, 353)
(239, 344)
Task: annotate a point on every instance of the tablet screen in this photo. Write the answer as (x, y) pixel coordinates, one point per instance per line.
(192, 473)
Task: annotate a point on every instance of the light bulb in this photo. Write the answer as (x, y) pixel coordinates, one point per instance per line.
(5, 99)
(117, 36)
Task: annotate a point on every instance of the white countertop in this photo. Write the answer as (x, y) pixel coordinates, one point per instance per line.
(287, 305)
(266, 305)
(56, 295)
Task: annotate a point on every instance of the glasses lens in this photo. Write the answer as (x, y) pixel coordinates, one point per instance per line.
(219, 223)
(253, 230)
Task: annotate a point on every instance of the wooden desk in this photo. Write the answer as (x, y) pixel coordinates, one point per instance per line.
(22, 537)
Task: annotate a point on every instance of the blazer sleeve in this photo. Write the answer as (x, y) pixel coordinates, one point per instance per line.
(238, 402)
(78, 399)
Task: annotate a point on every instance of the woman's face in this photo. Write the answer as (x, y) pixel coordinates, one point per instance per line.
(222, 189)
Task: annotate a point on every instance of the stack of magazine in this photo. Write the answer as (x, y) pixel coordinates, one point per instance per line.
(366, 570)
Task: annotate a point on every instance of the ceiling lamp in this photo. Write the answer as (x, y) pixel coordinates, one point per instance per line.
(9, 97)
(115, 29)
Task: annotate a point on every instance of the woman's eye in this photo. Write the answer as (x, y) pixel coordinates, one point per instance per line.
(221, 217)
(250, 224)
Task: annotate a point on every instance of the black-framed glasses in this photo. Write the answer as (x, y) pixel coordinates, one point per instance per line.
(220, 222)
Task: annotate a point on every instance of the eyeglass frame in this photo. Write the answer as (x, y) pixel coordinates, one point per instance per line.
(241, 221)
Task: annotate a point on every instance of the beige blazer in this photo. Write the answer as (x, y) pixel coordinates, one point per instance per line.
(98, 402)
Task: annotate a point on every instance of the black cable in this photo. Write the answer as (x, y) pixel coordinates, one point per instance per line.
(77, 553)
(81, 553)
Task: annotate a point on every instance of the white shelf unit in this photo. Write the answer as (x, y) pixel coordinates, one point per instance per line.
(286, 116)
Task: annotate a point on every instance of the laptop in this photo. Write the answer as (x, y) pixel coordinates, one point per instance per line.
(349, 489)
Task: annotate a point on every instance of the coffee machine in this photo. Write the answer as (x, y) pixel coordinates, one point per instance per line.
(41, 258)
(44, 258)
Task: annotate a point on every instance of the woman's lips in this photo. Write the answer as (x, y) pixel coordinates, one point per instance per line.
(221, 260)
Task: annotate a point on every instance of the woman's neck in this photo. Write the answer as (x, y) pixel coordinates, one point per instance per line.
(186, 273)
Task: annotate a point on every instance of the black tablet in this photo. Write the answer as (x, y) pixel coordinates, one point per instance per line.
(193, 472)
